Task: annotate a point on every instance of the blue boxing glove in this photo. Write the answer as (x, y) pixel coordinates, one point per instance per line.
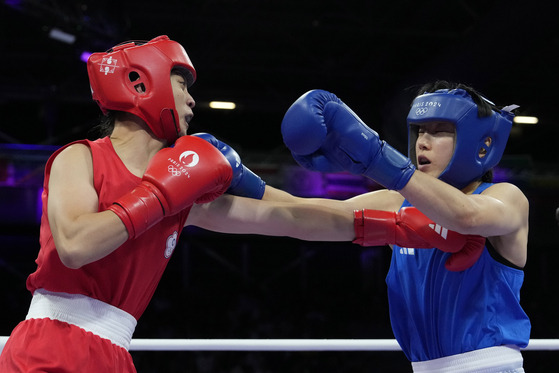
(245, 183)
(304, 131)
(325, 135)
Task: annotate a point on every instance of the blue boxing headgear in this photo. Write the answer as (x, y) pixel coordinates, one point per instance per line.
(456, 106)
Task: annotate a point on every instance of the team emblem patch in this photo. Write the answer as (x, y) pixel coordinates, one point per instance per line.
(108, 65)
(171, 244)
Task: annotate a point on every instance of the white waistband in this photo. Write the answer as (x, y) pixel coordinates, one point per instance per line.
(94, 316)
(487, 360)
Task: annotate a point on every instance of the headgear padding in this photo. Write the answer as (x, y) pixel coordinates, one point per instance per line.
(456, 106)
(135, 77)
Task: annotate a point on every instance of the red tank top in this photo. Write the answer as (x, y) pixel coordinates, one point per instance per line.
(128, 277)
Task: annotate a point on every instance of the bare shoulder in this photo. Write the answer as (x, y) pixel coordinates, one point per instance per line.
(507, 193)
(513, 244)
(73, 154)
(72, 164)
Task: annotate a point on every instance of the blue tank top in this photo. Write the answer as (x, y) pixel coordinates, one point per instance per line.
(435, 312)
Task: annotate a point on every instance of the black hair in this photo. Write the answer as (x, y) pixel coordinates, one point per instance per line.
(484, 107)
(185, 73)
(104, 127)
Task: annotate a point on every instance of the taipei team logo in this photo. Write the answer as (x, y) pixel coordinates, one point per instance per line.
(108, 65)
(171, 244)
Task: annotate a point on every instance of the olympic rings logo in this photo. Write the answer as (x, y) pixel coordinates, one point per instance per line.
(173, 170)
(421, 111)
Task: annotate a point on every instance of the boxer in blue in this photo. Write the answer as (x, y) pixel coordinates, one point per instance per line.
(449, 313)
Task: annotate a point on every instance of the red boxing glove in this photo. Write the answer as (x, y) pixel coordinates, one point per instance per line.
(191, 171)
(411, 228)
(468, 256)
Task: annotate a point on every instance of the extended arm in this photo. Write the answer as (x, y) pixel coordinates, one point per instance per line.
(280, 213)
(303, 219)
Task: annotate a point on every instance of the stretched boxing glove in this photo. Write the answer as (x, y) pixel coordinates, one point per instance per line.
(245, 183)
(411, 228)
(324, 134)
(191, 172)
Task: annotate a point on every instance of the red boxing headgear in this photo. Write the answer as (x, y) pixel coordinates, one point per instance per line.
(135, 77)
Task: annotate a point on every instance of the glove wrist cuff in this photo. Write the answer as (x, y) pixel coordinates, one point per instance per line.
(139, 210)
(374, 227)
(249, 185)
(390, 168)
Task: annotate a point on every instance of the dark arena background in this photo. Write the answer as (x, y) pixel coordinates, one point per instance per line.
(263, 55)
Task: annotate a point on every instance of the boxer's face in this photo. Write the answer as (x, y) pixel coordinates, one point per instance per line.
(434, 147)
(184, 103)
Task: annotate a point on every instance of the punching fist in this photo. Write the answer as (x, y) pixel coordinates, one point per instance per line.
(245, 183)
(325, 135)
(191, 172)
(411, 228)
(304, 131)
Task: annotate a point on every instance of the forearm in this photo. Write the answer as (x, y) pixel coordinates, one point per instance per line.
(441, 202)
(277, 195)
(88, 238)
(306, 219)
(314, 220)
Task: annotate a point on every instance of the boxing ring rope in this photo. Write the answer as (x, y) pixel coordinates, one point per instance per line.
(287, 344)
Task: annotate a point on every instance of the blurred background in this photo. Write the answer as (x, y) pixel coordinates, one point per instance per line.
(263, 55)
